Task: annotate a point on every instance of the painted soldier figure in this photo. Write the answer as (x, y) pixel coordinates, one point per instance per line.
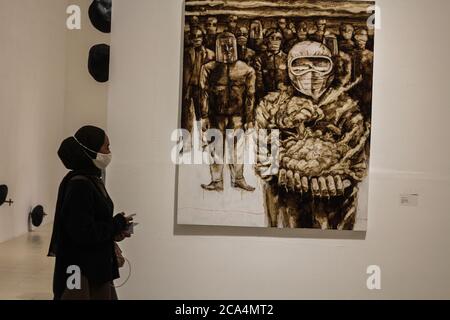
(287, 32)
(256, 37)
(194, 58)
(300, 36)
(362, 67)
(211, 33)
(346, 42)
(321, 31)
(271, 70)
(302, 31)
(228, 97)
(244, 52)
(232, 24)
(342, 60)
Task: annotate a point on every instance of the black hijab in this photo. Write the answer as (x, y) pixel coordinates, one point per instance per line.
(76, 153)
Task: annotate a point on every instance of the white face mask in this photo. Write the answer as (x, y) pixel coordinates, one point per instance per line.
(102, 160)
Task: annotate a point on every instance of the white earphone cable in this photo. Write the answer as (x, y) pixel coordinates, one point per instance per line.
(128, 277)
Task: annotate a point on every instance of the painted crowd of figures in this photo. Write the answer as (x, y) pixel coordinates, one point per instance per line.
(265, 50)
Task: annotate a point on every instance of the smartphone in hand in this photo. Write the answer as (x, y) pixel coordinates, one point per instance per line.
(130, 228)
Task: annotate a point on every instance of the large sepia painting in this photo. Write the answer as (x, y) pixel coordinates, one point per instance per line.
(275, 114)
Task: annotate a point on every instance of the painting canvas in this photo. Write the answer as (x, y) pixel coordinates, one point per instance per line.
(275, 114)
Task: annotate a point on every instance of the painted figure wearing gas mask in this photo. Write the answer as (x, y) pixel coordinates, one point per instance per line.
(228, 97)
(232, 26)
(346, 42)
(196, 55)
(271, 66)
(321, 150)
(310, 69)
(300, 35)
(302, 31)
(342, 60)
(288, 33)
(244, 52)
(256, 36)
(211, 33)
(321, 30)
(194, 23)
(363, 67)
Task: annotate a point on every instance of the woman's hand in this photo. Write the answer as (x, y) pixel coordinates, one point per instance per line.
(129, 219)
(124, 233)
(122, 236)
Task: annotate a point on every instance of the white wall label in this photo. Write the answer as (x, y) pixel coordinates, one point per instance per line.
(409, 200)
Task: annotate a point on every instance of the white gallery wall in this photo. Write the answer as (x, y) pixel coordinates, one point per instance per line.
(410, 154)
(32, 84)
(46, 94)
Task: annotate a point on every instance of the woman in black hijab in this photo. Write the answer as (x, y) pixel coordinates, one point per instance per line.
(85, 230)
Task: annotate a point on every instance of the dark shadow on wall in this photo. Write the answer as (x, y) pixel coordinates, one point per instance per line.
(191, 230)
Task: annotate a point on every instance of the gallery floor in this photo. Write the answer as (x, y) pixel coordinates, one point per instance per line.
(25, 270)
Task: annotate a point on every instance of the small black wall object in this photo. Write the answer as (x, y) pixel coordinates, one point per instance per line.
(100, 15)
(4, 194)
(98, 64)
(37, 215)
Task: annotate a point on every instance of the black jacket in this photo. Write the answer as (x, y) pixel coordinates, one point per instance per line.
(86, 230)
